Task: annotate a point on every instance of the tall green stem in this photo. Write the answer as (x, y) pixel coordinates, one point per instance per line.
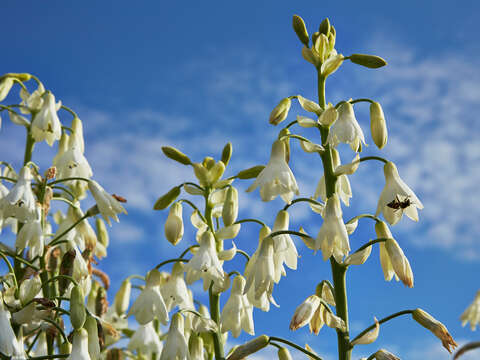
(338, 271)
(214, 299)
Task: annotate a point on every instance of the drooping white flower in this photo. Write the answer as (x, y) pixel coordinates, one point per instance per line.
(150, 304)
(342, 186)
(8, 341)
(46, 124)
(108, 206)
(80, 345)
(205, 263)
(32, 102)
(146, 341)
(383, 354)
(304, 312)
(472, 313)
(237, 314)
(436, 327)
(332, 238)
(396, 197)
(41, 346)
(346, 129)
(176, 347)
(284, 248)
(71, 162)
(370, 336)
(276, 178)
(175, 291)
(31, 236)
(20, 202)
(392, 258)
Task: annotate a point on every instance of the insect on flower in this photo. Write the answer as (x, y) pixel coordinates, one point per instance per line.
(399, 204)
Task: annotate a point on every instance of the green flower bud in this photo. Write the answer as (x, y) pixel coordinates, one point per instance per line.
(195, 346)
(378, 126)
(227, 153)
(230, 207)
(315, 36)
(93, 343)
(77, 308)
(300, 29)
(17, 76)
(102, 233)
(165, 200)
(324, 27)
(249, 348)
(122, 297)
(280, 112)
(369, 61)
(176, 155)
(250, 173)
(65, 348)
(284, 354)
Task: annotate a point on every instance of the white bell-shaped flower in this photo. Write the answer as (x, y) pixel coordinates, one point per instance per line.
(146, 341)
(332, 238)
(276, 178)
(150, 304)
(284, 248)
(71, 162)
(396, 197)
(346, 129)
(32, 102)
(20, 202)
(31, 236)
(472, 313)
(108, 206)
(342, 186)
(8, 341)
(205, 263)
(176, 347)
(80, 345)
(175, 291)
(46, 124)
(237, 314)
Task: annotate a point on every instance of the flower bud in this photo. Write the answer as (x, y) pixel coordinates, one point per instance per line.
(101, 303)
(6, 84)
(176, 155)
(436, 327)
(300, 29)
(329, 116)
(359, 257)
(304, 312)
(66, 268)
(369, 61)
(311, 56)
(215, 172)
(383, 354)
(324, 27)
(378, 126)
(195, 347)
(370, 336)
(399, 261)
(201, 173)
(122, 297)
(250, 173)
(77, 308)
(321, 47)
(249, 348)
(280, 112)
(165, 200)
(324, 291)
(226, 153)
(230, 207)
(284, 354)
(309, 105)
(174, 224)
(65, 348)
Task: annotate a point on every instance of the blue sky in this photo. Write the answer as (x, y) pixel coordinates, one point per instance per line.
(196, 75)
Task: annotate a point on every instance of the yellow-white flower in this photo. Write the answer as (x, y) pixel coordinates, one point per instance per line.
(332, 238)
(383, 354)
(176, 347)
(175, 291)
(472, 313)
(32, 102)
(8, 341)
(46, 124)
(108, 206)
(145, 340)
(304, 312)
(346, 129)
(392, 258)
(205, 263)
(237, 314)
(149, 303)
(20, 202)
(80, 345)
(276, 178)
(31, 236)
(284, 248)
(71, 162)
(370, 336)
(396, 197)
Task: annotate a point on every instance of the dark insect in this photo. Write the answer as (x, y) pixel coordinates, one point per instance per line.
(398, 204)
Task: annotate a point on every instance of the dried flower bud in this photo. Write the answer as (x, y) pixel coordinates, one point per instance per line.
(436, 327)
(101, 303)
(66, 268)
(114, 354)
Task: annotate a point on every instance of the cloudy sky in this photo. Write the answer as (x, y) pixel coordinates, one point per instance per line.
(196, 75)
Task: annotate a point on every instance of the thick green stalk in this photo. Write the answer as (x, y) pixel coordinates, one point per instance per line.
(338, 271)
(213, 298)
